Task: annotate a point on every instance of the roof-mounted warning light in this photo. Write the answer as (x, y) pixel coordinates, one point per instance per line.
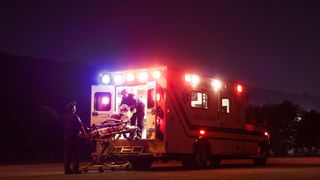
(193, 79)
(156, 74)
(239, 88)
(130, 77)
(118, 79)
(216, 84)
(105, 78)
(187, 77)
(143, 76)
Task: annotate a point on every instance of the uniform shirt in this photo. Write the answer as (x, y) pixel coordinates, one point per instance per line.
(72, 124)
(132, 102)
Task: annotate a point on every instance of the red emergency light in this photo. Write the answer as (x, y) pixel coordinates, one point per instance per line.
(266, 133)
(202, 132)
(239, 88)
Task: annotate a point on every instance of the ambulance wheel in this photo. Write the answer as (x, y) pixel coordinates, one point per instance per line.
(201, 157)
(101, 169)
(214, 161)
(263, 156)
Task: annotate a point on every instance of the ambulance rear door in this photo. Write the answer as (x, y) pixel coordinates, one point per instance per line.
(102, 102)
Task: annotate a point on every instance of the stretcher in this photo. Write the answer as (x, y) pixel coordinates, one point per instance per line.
(105, 134)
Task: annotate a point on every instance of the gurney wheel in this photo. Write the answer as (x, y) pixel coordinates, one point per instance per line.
(128, 168)
(101, 169)
(85, 169)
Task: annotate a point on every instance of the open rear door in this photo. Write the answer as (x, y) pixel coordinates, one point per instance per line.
(102, 102)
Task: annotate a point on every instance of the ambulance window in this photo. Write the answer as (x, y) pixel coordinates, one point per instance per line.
(199, 100)
(151, 98)
(102, 101)
(225, 105)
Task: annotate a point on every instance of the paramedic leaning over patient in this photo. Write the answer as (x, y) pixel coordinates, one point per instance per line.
(137, 107)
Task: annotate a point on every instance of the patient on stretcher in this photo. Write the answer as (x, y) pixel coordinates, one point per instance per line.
(116, 123)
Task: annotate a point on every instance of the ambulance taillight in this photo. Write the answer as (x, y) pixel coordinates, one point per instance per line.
(202, 132)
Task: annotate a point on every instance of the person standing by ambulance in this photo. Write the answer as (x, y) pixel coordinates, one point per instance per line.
(72, 127)
(137, 107)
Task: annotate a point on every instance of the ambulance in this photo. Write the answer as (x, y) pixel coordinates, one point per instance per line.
(197, 120)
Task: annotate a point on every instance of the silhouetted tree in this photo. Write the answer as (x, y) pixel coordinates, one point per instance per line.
(282, 120)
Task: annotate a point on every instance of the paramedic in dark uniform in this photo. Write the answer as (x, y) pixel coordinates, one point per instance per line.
(72, 126)
(137, 107)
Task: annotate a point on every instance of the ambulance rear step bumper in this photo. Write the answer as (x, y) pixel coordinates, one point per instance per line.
(129, 149)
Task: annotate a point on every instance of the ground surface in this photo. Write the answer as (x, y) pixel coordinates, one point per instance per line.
(277, 168)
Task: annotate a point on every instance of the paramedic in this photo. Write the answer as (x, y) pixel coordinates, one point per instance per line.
(137, 107)
(72, 126)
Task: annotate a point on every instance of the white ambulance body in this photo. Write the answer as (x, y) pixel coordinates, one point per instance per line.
(189, 118)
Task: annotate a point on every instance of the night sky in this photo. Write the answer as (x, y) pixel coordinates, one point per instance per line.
(266, 44)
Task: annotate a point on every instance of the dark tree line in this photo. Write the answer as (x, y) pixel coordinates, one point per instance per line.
(290, 127)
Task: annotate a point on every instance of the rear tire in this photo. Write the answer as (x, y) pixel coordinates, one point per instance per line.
(201, 157)
(263, 156)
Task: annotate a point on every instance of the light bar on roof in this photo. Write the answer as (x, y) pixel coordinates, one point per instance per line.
(143, 76)
(130, 77)
(105, 78)
(156, 74)
(216, 84)
(118, 79)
